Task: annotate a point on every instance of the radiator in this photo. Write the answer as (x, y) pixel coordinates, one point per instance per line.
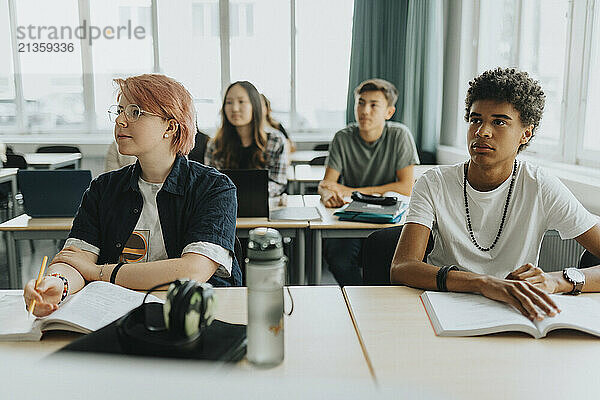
(557, 254)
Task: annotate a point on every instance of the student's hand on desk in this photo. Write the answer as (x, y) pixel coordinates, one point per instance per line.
(522, 295)
(535, 276)
(335, 194)
(333, 201)
(46, 297)
(80, 260)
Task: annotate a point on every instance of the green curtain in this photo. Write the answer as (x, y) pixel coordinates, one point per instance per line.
(402, 41)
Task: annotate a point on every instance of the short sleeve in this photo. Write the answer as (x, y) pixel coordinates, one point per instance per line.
(216, 253)
(564, 212)
(334, 159)
(407, 150)
(421, 207)
(214, 213)
(80, 244)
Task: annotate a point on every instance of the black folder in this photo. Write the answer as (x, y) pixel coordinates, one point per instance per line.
(220, 341)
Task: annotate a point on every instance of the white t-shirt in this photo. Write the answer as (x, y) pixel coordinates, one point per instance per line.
(539, 202)
(146, 242)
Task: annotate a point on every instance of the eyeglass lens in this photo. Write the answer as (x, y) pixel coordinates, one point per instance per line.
(132, 112)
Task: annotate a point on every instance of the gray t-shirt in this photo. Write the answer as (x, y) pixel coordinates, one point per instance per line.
(372, 164)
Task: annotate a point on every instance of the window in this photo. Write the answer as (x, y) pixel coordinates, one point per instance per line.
(52, 80)
(531, 35)
(591, 138)
(260, 49)
(191, 53)
(324, 40)
(8, 109)
(120, 53)
(550, 39)
(296, 52)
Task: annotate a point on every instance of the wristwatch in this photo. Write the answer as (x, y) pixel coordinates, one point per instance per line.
(576, 277)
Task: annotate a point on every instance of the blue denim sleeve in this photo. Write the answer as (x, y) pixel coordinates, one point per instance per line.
(214, 214)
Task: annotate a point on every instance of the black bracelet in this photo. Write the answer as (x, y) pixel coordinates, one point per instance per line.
(113, 274)
(442, 275)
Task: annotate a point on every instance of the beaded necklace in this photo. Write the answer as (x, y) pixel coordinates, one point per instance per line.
(510, 189)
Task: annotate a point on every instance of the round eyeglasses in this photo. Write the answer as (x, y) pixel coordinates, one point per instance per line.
(132, 112)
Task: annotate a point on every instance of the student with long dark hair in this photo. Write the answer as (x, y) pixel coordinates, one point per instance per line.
(242, 143)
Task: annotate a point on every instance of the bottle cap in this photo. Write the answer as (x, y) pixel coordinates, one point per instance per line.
(264, 244)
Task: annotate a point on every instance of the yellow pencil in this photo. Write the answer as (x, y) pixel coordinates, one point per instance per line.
(37, 282)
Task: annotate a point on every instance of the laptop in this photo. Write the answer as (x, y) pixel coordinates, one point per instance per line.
(53, 193)
(252, 191)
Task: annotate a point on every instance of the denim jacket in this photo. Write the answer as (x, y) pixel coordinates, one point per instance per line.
(196, 203)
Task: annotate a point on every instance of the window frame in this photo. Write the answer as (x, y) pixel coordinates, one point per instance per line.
(91, 124)
(569, 147)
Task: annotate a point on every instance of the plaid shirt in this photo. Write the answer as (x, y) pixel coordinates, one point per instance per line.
(276, 158)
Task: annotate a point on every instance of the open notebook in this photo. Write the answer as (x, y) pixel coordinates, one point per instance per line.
(94, 306)
(465, 314)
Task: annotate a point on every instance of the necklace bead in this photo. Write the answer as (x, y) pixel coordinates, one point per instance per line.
(510, 189)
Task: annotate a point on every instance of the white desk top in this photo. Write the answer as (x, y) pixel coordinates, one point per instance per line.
(50, 158)
(315, 173)
(6, 172)
(320, 339)
(26, 223)
(403, 348)
(305, 156)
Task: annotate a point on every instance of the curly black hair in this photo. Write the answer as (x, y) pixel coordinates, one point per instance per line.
(512, 86)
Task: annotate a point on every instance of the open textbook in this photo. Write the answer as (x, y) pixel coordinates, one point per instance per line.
(465, 314)
(94, 306)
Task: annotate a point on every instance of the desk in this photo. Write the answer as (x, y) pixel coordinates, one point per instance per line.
(320, 339)
(402, 347)
(331, 227)
(292, 229)
(24, 227)
(10, 175)
(313, 174)
(305, 156)
(307, 175)
(53, 160)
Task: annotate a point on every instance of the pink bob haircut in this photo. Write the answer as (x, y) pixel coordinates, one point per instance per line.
(164, 96)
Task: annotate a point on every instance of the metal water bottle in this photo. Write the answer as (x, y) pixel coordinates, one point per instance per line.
(265, 276)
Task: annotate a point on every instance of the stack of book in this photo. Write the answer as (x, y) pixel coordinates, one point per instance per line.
(374, 213)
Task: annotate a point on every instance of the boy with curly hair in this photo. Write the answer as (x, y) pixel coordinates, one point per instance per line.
(488, 215)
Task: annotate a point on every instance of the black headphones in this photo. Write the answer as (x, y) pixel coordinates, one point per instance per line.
(188, 310)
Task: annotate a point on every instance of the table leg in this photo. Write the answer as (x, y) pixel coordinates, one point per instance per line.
(13, 199)
(317, 251)
(13, 269)
(300, 256)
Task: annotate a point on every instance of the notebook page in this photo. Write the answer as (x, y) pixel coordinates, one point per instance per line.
(576, 311)
(14, 319)
(467, 311)
(98, 304)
